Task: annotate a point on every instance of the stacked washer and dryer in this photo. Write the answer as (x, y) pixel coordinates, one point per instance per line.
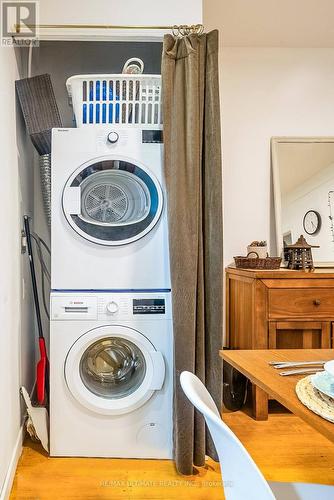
(111, 338)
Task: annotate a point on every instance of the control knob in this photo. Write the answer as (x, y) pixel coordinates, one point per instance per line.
(112, 307)
(113, 137)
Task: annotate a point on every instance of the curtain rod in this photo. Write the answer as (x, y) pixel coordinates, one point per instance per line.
(181, 29)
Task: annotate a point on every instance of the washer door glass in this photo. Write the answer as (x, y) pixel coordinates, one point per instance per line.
(112, 368)
(112, 202)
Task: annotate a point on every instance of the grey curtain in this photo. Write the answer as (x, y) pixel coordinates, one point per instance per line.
(194, 188)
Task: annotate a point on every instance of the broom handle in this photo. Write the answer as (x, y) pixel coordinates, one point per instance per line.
(33, 276)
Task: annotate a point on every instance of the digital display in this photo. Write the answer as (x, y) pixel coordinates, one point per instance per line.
(152, 136)
(149, 306)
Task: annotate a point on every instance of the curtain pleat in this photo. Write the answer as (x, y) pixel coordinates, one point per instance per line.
(192, 160)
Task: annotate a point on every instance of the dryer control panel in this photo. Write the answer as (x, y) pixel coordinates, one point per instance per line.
(110, 306)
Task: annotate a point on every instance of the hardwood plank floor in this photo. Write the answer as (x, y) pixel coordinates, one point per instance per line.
(284, 447)
(40, 477)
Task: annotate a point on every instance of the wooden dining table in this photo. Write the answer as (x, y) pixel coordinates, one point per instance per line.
(254, 364)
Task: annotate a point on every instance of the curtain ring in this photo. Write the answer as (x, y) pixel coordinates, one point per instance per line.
(199, 29)
(184, 30)
(175, 30)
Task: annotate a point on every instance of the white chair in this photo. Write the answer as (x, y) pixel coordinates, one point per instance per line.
(242, 478)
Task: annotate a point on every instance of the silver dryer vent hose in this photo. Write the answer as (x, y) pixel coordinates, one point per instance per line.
(45, 172)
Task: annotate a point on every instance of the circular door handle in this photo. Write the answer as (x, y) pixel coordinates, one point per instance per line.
(316, 302)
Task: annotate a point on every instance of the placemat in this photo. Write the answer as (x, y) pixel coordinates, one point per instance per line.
(315, 400)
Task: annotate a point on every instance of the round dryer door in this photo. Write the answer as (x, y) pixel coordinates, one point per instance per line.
(112, 201)
(113, 370)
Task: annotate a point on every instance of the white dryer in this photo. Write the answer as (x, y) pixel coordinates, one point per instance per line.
(111, 375)
(109, 220)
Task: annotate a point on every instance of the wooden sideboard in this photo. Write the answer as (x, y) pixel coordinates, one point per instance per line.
(281, 309)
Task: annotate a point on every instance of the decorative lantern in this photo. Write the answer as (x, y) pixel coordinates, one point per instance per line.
(300, 254)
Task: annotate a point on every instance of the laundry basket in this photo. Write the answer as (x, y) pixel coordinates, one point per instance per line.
(120, 99)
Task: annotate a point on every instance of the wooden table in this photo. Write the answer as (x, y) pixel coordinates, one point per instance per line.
(254, 365)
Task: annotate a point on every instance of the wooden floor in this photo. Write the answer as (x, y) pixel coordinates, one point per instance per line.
(285, 448)
(40, 477)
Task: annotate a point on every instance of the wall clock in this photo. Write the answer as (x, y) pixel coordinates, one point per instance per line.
(312, 222)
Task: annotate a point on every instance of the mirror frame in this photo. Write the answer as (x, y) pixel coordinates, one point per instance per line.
(274, 143)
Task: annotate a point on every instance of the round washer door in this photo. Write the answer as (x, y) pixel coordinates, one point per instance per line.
(112, 201)
(113, 370)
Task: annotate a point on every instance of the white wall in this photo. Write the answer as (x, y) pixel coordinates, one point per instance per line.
(116, 12)
(272, 23)
(17, 329)
(266, 92)
(10, 275)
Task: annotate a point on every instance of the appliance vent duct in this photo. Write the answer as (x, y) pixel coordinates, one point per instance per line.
(45, 174)
(116, 99)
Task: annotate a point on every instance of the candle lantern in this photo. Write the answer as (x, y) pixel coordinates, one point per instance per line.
(300, 254)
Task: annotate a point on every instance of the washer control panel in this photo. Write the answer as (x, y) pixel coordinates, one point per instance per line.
(110, 306)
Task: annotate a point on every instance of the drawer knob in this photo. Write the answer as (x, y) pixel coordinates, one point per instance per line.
(316, 302)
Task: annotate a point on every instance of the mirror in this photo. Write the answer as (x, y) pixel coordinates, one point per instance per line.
(303, 175)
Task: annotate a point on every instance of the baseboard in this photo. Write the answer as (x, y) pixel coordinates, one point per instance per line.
(7, 485)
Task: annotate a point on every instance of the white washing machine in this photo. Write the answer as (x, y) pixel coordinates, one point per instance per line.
(109, 219)
(111, 375)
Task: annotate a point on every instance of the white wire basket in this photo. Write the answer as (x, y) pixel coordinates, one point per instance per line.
(118, 99)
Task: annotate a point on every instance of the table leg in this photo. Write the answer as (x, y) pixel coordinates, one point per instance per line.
(260, 403)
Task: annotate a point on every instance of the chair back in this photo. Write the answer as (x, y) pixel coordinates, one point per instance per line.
(242, 478)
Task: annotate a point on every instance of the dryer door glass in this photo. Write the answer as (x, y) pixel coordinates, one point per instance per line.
(112, 368)
(112, 202)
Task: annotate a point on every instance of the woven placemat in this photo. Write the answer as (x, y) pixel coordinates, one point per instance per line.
(315, 400)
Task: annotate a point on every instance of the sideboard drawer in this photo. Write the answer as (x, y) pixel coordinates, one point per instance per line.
(301, 303)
